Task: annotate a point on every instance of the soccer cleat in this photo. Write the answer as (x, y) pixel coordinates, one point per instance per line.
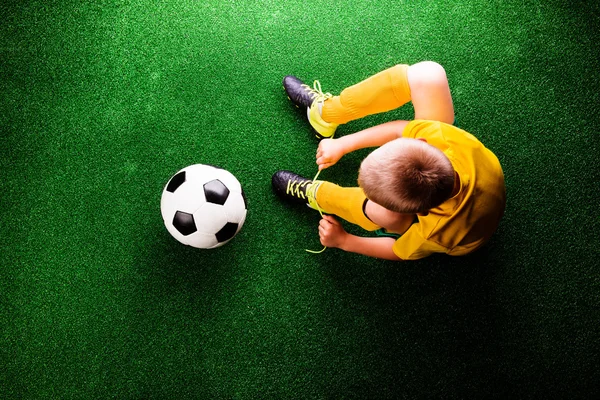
(295, 188)
(299, 93)
(303, 96)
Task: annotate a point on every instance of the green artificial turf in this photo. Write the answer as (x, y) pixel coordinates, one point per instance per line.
(101, 102)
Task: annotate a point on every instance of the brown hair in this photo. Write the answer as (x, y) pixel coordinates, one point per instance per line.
(407, 176)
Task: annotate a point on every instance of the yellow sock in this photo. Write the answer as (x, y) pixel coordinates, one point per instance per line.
(347, 203)
(381, 92)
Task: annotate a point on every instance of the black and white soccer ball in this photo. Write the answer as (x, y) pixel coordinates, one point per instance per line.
(203, 206)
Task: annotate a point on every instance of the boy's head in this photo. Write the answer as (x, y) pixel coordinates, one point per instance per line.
(407, 176)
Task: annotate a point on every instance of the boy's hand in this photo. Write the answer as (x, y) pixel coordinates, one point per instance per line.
(331, 232)
(328, 153)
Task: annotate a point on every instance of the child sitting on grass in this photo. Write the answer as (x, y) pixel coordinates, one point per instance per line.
(433, 185)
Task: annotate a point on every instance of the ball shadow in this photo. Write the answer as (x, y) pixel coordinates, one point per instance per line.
(170, 272)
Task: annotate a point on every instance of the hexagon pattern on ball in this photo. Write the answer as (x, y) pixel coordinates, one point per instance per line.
(203, 206)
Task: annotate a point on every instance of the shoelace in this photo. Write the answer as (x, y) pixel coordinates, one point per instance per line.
(316, 92)
(321, 213)
(294, 187)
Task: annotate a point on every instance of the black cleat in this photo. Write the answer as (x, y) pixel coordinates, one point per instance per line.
(311, 100)
(299, 93)
(295, 188)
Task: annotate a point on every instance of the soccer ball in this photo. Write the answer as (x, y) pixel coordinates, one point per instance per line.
(203, 206)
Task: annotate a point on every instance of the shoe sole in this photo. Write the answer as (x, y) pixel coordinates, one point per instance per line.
(296, 105)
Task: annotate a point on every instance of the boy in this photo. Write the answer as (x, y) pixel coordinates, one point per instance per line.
(428, 182)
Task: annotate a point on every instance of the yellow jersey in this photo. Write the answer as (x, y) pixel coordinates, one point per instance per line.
(466, 221)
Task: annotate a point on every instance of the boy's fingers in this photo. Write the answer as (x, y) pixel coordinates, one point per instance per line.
(330, 219)
(324, 223)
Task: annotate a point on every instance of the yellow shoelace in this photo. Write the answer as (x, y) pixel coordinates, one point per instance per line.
(294, 187)
(321, 213)
(315, 92)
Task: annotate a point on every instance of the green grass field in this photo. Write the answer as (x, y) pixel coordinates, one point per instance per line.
(101, 102)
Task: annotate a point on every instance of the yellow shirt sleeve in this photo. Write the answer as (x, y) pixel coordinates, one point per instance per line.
(412, 246)
(439, 135)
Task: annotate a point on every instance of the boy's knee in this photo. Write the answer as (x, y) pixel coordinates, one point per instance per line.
(427, 73)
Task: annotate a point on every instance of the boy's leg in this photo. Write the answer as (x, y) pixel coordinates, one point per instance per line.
(351, 204)
(345, 202)
(431, 96)
(424, 83)
(384, 91)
